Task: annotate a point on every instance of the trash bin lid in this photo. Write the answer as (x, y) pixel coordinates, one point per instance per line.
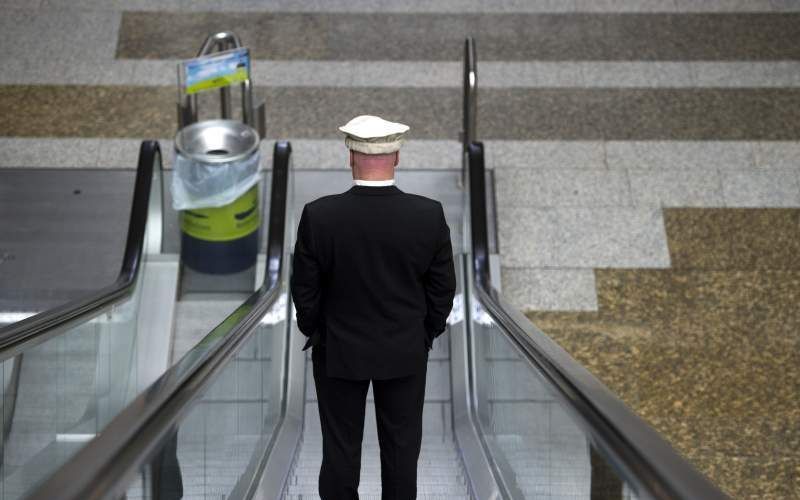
(217, 141)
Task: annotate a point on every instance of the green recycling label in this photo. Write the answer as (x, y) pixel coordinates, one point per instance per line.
(229, 222)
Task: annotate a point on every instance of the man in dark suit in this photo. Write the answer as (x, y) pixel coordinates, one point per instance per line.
(373, 283)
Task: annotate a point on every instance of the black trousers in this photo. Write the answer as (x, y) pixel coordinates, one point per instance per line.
(398, 411)
(167, 480)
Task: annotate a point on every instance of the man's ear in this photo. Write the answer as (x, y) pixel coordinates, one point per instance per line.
(396, 158)
(351, 157)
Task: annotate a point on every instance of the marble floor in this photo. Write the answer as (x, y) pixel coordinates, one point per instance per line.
(707, 351)
(646, 156)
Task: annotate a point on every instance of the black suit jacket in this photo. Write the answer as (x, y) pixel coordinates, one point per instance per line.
(373, 280)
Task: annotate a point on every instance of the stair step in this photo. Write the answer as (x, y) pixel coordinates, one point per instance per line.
(375, 489)
(370, 496)
(431, 470)
(452, 480)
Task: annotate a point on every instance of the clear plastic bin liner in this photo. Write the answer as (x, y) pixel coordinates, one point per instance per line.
(203, 185)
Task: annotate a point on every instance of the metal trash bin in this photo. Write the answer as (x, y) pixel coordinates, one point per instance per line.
(220, 239)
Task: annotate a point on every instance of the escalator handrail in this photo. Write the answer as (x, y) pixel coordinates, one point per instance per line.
(106, 465)
(15, 336)
(470, 96)
(630, 442)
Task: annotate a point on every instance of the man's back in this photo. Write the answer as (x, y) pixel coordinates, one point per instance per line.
(372, 282)
(374, 279)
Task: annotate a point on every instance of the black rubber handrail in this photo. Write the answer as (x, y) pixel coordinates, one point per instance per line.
(469, 103)
(17, 336)
(647, 461)
(106, 465)
(470, 96)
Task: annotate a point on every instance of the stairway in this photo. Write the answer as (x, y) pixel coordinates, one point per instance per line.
(440, 475)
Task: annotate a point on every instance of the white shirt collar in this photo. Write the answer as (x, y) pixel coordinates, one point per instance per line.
(362, 182)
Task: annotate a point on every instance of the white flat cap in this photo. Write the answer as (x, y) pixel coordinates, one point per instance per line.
(373, 135)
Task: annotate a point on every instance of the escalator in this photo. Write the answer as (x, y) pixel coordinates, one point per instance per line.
(68, 371)
(508, 413)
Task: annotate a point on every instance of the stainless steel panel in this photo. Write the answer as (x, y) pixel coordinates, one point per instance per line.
(62, 233)
(476, 462)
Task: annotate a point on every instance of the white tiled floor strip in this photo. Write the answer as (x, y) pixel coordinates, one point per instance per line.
(645, 157)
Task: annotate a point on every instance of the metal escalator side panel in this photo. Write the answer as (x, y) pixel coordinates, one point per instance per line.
(479, 467)
(282, 453)
(278, 456)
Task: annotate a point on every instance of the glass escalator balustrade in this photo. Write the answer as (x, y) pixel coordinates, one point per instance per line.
(58, 394)
(207, 421)
(537, 448)
(68, 382)
(217, 446)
